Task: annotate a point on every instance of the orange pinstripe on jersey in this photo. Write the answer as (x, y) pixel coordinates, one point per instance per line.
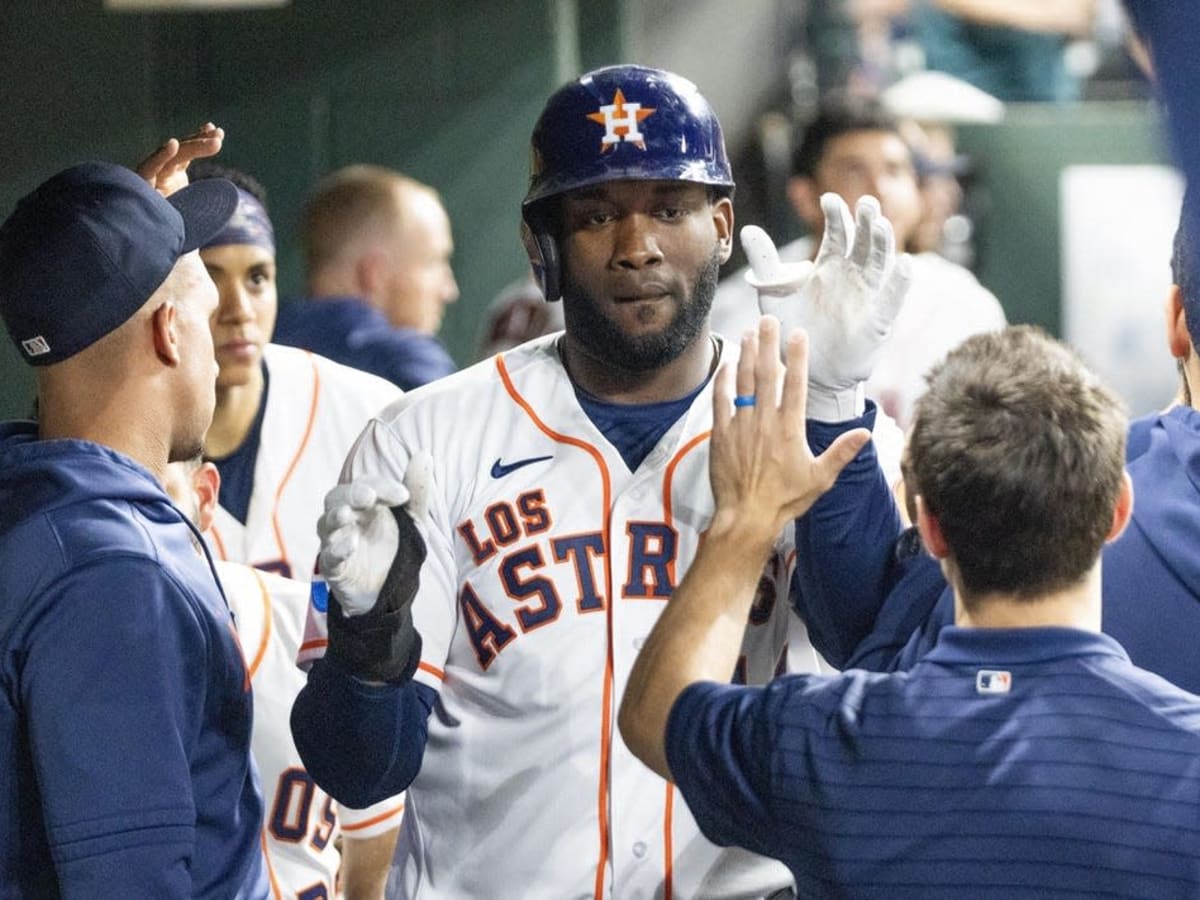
(275, 891)
(266, 631)
(316, 644)
(606, 701)
(668, 861)
(669, 518)
(287, 475)
(374, 820)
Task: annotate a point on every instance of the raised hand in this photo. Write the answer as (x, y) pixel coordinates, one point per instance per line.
(847, 299)
(166, 168)
(360, 536)
(761, 467)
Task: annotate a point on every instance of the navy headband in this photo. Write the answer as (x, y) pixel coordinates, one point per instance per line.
(249, 225)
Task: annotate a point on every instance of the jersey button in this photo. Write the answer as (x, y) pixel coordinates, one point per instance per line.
(639, 849)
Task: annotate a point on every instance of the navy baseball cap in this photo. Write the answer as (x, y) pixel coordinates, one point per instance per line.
(85, 251)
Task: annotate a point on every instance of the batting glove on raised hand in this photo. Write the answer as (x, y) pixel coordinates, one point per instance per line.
(847, 300)
(371, 554)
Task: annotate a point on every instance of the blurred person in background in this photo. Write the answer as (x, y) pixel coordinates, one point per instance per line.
(854, 150)
(519, 313)
(1013, 49)
(377, 247)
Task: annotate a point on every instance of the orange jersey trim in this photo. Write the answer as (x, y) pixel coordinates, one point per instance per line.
(287, 476)
(668, 849)
(374, 820)
(315, 644)
(432, 670)
(606, 702)
(275, 890)
(266, 631)
(669, 517)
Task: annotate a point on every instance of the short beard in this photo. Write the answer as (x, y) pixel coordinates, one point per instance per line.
(604, 340)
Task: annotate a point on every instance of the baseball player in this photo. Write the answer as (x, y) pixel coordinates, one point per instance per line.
(303, 827)
(555, 494)
(285, 418)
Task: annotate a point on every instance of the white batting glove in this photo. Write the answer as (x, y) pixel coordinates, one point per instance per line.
(847, 300)
(359, 536)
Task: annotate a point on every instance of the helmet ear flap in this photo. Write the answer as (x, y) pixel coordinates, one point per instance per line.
(543, 258)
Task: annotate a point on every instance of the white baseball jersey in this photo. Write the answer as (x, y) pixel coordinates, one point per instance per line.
(945, 306)
(301, 823)
(315, 409)
(548, 563)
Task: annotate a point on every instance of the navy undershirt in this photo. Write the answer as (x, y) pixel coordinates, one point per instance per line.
(635, 428)
(237, 469)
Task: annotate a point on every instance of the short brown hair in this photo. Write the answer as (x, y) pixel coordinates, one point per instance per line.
(350, 204)
(1018, 450)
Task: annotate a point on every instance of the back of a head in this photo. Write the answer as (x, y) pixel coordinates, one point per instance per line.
(1183, 266)
(1018, 451)
(89, 247)
(833, 120)
(619, 123)
(350, 206)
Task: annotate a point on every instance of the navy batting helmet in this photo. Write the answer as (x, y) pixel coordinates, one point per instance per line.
(615, 124)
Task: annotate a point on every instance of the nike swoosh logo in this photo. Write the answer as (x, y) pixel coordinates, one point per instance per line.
(500, 469)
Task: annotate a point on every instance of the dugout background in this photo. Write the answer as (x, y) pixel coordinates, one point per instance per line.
(447, 91)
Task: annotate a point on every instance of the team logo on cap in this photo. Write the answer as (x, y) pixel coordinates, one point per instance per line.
(35, 346)
(620, 120)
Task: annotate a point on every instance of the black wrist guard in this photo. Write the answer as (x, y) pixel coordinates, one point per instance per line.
(383, 645)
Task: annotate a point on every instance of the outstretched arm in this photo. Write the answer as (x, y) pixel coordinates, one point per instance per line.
(763, 475)
(360, 721)
(845, 549)
(847, 301)
(360, 742)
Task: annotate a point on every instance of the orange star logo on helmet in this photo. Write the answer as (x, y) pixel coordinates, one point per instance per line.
(620, 120)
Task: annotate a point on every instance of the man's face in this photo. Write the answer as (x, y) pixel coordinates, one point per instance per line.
(195, 299)
(420, 281)
(878, 163)
(245, 316)
(640, 262)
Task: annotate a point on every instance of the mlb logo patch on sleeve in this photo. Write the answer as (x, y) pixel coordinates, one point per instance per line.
(992, 681)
